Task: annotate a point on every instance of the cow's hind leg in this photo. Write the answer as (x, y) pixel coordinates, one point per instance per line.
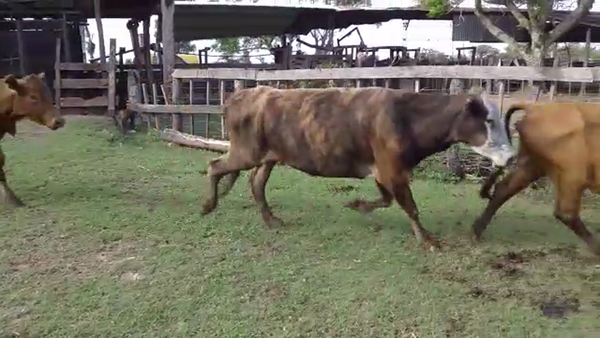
(6, 194)
(367, 206)
(567, 207)
(258, 181)
(518, 179)
(404, 197)
(229, 163)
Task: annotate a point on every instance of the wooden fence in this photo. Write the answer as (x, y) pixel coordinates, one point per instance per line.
(206, 120)
(82, 88)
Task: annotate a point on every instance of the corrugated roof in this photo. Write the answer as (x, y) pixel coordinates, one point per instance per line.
(195, 22)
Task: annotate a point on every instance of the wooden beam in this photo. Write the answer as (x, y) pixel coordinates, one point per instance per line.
(21, 47)
(573, 74)
(588, 41)
(66, 40)
(194, 141)
(174, 109)
(98, 16)
(57, 79)
(82, 66)
(167, 9)
(112, 80)
(132, 26)
(147, 52)
(84, 83)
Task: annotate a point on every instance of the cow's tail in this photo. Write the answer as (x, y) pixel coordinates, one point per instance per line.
(509, 112)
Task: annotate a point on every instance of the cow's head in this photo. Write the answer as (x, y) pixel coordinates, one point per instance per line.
(481, 127)
(32, 100)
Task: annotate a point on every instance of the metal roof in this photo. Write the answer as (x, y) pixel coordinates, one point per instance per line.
(196, 22)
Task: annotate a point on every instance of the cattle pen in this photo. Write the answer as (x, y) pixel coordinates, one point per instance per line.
(195, 119)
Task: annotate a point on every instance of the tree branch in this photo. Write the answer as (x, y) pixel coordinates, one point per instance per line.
(571, 20)
(514, 10)
(491, 27)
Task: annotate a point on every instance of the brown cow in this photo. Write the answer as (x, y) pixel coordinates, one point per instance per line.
(27, 97)
(558, 140)
(351, 133)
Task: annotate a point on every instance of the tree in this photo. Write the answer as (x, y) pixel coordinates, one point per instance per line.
(185, 47)
(433, 55)
(538, 13)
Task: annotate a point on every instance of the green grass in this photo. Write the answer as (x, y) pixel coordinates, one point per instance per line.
(112, 244)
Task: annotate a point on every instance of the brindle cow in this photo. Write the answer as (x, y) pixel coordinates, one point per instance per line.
(558, 140)
(27, 97)
(351, 133)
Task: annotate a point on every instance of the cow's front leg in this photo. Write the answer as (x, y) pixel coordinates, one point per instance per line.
(6, 194)
(367, 206)
(518, 179)
(404, 197)
(258, 181)
(228, 164)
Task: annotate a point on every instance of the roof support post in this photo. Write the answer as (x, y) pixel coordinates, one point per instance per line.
(98, 16)
(167, 9)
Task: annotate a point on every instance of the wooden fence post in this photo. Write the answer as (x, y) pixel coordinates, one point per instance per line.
(57, 80)
(112, 86)
(177, 123)
(222, 102)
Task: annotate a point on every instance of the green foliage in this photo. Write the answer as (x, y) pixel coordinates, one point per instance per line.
(185, 47)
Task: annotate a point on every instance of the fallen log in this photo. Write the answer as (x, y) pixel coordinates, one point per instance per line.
(194, 141)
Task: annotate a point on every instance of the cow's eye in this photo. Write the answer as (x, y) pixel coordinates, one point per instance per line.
(490, 122)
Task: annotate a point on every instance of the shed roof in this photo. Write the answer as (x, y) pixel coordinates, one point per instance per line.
(195, 22)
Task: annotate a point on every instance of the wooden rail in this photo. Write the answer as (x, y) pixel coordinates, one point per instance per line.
(574, 74)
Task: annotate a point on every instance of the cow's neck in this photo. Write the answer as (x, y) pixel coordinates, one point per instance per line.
(420, 151)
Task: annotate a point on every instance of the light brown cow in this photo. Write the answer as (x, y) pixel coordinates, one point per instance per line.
(558, 140)
(352, 133)
(24, 98)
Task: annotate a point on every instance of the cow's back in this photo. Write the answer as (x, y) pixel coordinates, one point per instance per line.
(319, 131)
(566, 137)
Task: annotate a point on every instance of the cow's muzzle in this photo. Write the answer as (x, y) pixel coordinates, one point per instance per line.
(57, 123)
(500, 155)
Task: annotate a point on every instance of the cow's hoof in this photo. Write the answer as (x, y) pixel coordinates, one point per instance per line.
(274, 222)
(359, 205)
(353, 204)
(431, 243)
(208, 207)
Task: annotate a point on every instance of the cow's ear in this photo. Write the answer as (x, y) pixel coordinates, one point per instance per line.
(13, 83)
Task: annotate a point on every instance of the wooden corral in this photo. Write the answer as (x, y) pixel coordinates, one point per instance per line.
(201, 123)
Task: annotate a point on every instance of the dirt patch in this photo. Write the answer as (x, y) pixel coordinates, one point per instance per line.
(509, 264)
(455, 327)
(559, 308)
(273, 248)
(131, 277)
(341, 189)
(59, 259)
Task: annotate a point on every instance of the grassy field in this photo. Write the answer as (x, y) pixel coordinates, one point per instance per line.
(111, 244)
